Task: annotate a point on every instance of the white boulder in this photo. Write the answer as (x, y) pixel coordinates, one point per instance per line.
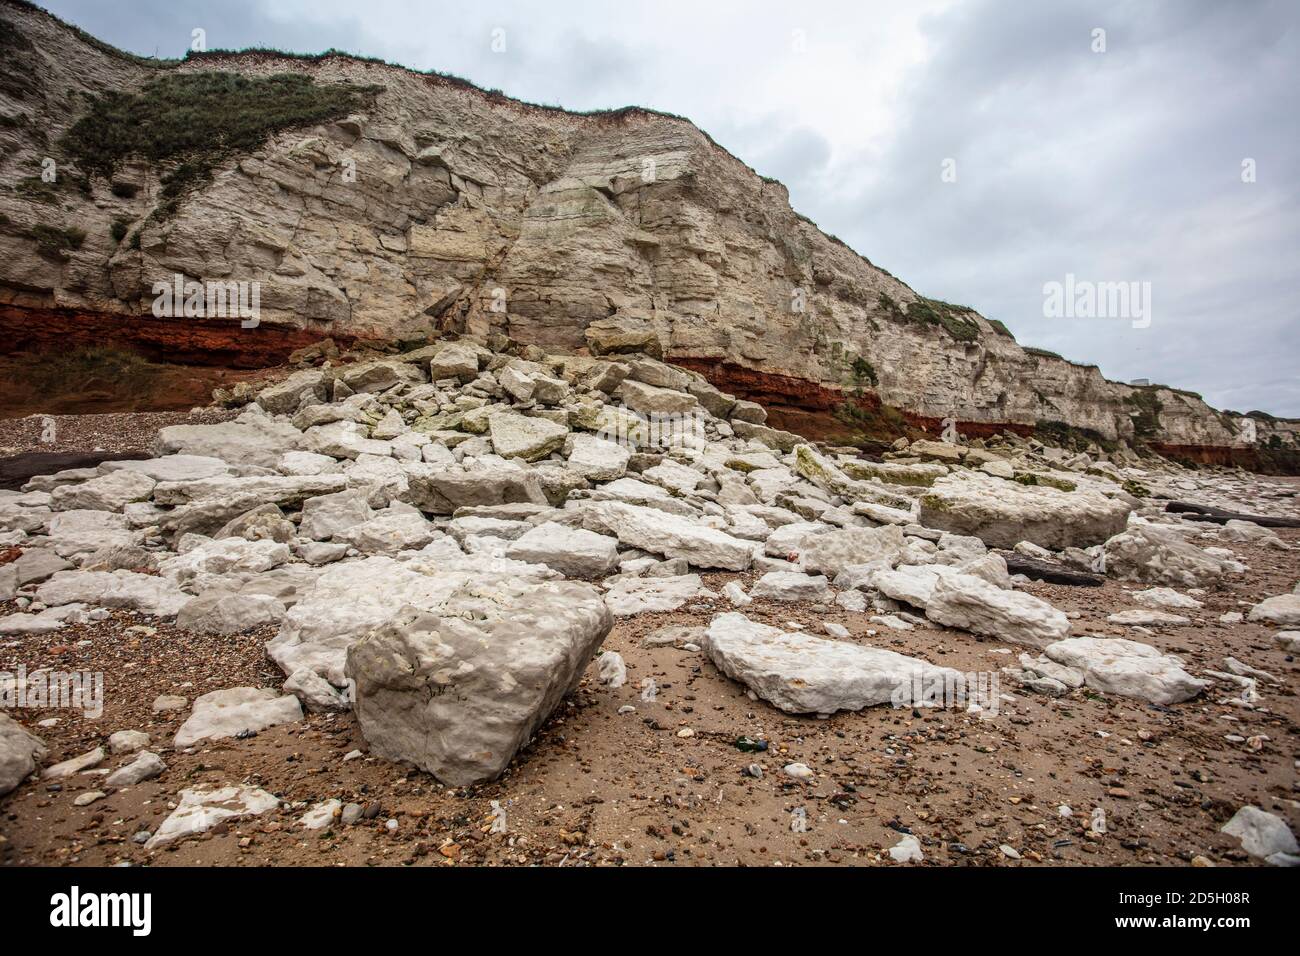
(972, 604)
(1127, 668)
(458, 691)
(802, 674)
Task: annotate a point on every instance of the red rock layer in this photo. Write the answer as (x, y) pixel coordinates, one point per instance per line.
(1239, 457)
(785, 397)
(208, 342)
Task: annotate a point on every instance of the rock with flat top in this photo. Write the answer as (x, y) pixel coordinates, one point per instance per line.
(1141, 617)
(110, 492)
(218, 612)
(200, 810)
(250, 440)
(791, 586)
(1282, 610)
(629, 596)
(673, 536)
(169, 467)
(236, 710)
(802, 674)
(598, 459)
(159, 596)
(518, 436)
(443, 491)
(1165, 598)
(574, 552)
(1004, 513)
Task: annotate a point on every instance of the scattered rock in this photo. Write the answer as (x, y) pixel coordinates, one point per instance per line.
(199, 811)
(144, 767)
(1127, 668)
(87, 761)
(1282, 610)
(1264, 835)
(972, 604)
(127, 741)
(236, 710)
(907, 850)
(20, 754)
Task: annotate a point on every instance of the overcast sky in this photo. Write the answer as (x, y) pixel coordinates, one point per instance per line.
(1122, 165)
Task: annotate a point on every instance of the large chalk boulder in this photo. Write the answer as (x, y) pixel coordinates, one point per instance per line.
(1155, 555)
(1004, 513)
(459, 690)
(832, 552)
(574, 552)
(673, 536)
(1283, 610)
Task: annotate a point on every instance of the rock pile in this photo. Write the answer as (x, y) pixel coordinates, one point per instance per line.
(443, 538)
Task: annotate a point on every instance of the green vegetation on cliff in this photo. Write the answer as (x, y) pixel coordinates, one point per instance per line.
(55, 243)
(194, 121)
(1061, 435)
(955, 320)
(1146, 406)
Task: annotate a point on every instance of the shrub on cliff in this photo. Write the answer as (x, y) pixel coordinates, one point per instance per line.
(952, 319)
(55, 243)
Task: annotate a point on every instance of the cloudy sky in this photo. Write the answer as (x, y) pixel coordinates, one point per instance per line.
(1122, 165)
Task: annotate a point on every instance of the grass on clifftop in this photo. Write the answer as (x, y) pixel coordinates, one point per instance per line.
(193, 121)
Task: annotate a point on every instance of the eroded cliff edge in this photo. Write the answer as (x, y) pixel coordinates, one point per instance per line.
(440, 206)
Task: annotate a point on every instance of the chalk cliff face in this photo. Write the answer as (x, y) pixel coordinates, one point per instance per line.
(443, 207)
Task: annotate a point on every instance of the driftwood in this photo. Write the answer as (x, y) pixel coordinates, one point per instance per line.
(1049, 571)
(17, 470)
(1218, 516)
